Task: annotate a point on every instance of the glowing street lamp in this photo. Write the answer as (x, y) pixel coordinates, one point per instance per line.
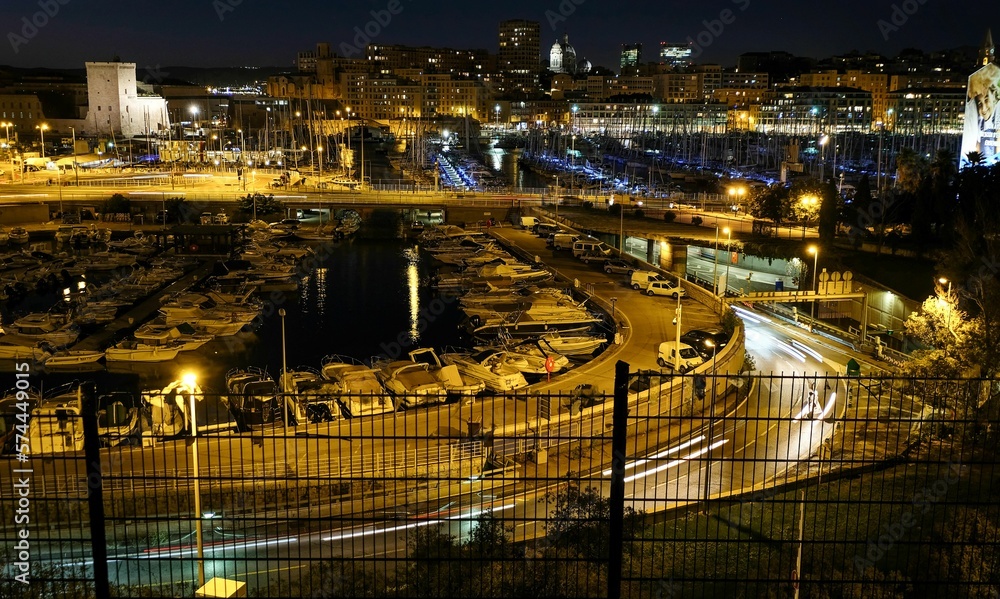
(812, 312)
(42, 129)
(729, 251)
(190, 381)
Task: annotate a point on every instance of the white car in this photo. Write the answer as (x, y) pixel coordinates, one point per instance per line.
(665, 288)
(665, 357)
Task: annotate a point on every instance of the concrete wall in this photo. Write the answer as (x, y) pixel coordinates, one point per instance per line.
(18, 214)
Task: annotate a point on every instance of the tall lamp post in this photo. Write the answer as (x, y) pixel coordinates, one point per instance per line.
(812, 312)
(10, 149)
(729, 255)
(284, 382)
(711, 422)
(42, 129)
(190, 382)
(715, 261)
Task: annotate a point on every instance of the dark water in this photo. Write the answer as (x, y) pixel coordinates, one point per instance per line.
(363, 298)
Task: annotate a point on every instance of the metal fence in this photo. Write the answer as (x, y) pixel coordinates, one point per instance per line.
(769, 486)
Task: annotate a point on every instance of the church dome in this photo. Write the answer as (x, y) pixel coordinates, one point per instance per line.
(562, 56)
(584, 66)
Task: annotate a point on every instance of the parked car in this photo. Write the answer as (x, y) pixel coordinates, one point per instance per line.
(689, 358)
(619, 267)
(642, 278)
(665, 288)
(697, 339)
(543, 230)
(206, 218)
(221, 218)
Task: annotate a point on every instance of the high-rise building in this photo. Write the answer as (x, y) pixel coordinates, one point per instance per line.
(519, 58)
(676, 55)
(631, 57)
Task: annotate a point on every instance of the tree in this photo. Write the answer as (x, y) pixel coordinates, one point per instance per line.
(772, 203)
(829, 209)
(910, 169)
(581, 523)
(261, 204)
(117, 204)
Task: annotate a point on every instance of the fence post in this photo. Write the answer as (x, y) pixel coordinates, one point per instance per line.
(617, 503)
(95, 489)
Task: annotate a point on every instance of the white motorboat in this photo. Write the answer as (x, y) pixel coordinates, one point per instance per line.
(531, 359)
(56, 425)
(54, 329)
(253, 397)
(314, 401)
(133, 351)
(14, 347)
(448, 374)
(65, 234)
(572, 345)
(183, 336)
(411, 383)
(357, 386)
(164, 410)
(117, 418)
(490, 366)
(71, 358)
(18, 236)
(513, 272)
(529, 322)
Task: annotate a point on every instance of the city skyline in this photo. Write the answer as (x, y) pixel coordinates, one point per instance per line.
(226, 32)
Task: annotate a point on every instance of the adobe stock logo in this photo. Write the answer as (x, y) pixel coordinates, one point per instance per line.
(364, 35)
(30, 26)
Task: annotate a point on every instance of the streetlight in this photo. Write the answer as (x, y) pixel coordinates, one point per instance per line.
(319, 152)
(42, 128)
(677, 338)
(812, 312)
(284, 381)
(942, 281)
(711, 422)
(729, 257)
(10, 149)
(190, 381)
(715, 262)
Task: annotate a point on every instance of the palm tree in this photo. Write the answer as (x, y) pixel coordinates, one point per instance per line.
(975, 159)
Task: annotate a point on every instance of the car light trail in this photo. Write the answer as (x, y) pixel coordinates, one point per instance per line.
(678, 461)
(807, 349)
(660, 455)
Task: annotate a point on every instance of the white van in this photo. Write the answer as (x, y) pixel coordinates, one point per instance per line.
(590, 249)
(667, 351)
(642, 278)
(528, 221)
(562, 241)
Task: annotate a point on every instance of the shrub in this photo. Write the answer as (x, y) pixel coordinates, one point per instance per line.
(639, 213)
(670, 216)
(696, 221)
(588, 205)
(615, 209)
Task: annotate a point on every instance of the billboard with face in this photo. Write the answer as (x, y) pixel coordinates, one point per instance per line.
(982, 116)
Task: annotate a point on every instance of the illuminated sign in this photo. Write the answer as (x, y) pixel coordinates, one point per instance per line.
(982, 118)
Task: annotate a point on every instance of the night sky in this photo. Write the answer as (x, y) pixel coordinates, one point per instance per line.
(271, 32)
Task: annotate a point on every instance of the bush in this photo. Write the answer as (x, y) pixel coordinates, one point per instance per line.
(696, 221)
(588, 205)
(615, 209)
(670, 216)
(639, 213)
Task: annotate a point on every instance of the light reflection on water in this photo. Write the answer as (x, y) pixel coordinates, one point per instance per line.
(364, 298)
